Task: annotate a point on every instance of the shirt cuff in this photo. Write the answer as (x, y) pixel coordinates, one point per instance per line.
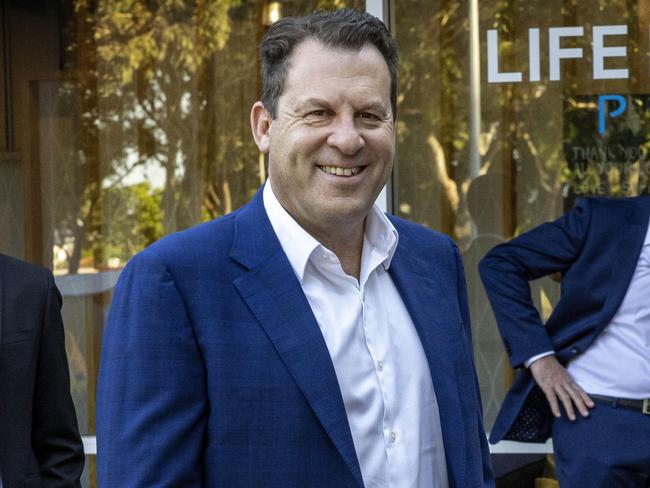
(538, 356)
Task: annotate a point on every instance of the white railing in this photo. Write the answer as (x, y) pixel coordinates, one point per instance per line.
(503, 447)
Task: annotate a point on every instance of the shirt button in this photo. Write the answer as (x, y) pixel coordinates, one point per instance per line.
(380, 365)
(393, 437)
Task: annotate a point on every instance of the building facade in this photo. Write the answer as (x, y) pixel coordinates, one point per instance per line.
(123, 121)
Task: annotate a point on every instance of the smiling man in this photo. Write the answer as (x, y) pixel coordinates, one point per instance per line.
(306, 339)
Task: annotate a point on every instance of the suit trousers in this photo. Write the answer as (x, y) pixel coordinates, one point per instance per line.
(608, 449)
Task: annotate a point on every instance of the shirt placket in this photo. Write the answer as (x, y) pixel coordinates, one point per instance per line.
(377, 340)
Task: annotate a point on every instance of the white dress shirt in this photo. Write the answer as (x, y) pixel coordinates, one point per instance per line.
(617, 364)
(379, 361)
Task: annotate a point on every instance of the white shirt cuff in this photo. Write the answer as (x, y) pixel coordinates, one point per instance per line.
(539, 356)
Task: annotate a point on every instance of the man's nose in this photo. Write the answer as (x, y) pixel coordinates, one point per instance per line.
(346, 137)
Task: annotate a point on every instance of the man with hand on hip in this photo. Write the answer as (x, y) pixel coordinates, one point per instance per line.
(586, 376)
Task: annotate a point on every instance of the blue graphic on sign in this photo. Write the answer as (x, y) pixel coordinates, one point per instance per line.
(602, 107)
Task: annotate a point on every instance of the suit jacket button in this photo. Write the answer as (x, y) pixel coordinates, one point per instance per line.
(575, 350)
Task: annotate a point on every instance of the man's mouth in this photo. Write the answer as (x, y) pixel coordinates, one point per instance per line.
(339, 171)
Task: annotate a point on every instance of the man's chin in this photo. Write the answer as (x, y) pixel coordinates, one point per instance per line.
(345, 212)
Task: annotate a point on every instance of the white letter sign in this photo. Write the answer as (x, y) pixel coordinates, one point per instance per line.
(601, 52)
(556, 52)
(493, 62)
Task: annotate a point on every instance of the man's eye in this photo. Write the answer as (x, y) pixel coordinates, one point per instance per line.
(368, 116)
(317, 113)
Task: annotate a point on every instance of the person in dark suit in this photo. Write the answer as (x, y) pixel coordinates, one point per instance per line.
(40, 445)
(305, 339)
(586, 372)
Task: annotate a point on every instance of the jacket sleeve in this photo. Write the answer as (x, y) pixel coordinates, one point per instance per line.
(488, 475)
(507, 269)
(55, 432)
(151, 398)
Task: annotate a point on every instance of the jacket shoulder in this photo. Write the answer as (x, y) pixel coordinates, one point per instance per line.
(24, 276)
(206, 242)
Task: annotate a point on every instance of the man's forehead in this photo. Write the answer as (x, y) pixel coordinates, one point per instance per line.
(313, 59)
(313, 46)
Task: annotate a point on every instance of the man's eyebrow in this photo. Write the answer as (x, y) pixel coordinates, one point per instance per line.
(378, 107)
(311, 101)
(375, 106)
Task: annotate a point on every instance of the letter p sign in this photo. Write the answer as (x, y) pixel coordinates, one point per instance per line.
(602, 107)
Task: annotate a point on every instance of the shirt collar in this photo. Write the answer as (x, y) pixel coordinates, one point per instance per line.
(647, 236)
(379, 243)
(296, 242)
(380, 236)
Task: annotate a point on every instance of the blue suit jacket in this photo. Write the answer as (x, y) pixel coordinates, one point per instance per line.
(214, 371)
(596, 246)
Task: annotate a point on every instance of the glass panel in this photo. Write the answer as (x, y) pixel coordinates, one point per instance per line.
(12, 238)
(537, 143)
(127, 120)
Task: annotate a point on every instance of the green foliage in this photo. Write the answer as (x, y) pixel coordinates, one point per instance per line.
(133, 37)
(162, 88)
(133, 220)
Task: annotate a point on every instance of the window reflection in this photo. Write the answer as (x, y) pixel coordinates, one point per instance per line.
(535, 137)
(127, 121)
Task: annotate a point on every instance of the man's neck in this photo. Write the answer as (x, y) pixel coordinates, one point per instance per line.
(349, 254)
(347, 244)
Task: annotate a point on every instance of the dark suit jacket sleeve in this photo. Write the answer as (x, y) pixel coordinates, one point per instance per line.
(55, 433)
(151, 398)
(488, 476)
(507, 269)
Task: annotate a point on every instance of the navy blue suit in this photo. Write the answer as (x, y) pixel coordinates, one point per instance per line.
(596, 246)
(40, 445)
(214, 371)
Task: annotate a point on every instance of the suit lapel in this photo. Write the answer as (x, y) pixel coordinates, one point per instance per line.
(627, 241)
(634, 226)
(274, 295)
(434, 310)
(634, 236)
(638, 220)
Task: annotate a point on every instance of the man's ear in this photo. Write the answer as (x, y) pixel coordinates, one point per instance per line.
(261, 125)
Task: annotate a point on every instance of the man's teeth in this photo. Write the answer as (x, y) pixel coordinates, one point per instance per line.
(338, 171)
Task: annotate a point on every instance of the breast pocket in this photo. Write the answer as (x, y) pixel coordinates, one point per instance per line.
(16, 340)
(11, 335)
(19, 356)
